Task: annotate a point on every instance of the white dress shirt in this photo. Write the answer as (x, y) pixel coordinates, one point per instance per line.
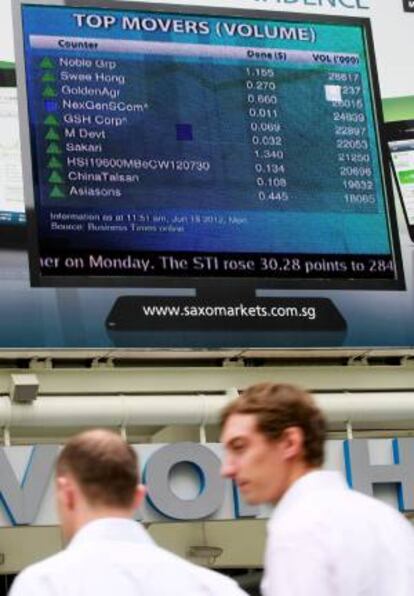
(325, 539)
(116, 557)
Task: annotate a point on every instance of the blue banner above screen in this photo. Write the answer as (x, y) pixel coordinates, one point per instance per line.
(177, 145)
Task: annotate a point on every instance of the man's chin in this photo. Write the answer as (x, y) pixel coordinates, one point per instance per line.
(249, 498)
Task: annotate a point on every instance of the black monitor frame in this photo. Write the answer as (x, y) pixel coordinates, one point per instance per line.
(172, 281)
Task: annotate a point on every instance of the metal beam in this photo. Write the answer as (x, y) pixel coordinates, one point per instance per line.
(205, 379)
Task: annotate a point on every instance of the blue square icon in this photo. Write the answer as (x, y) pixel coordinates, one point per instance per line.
(184, 132)
(51, 106)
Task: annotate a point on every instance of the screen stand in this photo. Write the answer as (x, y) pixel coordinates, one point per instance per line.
(226, 306)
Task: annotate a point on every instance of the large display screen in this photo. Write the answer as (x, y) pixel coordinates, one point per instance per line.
(12, 210)
(183, 143)
(400, 136)
(403, 160)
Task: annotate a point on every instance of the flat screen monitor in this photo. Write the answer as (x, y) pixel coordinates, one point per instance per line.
(400, 136)
(170, 144)
(12, 208)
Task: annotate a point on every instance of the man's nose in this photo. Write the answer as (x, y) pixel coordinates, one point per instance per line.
(227, 468)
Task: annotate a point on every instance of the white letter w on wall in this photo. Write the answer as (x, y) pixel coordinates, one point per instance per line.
(22, 500)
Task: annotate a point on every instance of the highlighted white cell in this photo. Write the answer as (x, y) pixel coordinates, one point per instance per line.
(333, 92)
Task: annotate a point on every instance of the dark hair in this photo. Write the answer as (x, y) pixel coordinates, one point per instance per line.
(279, 406)
(104, 465)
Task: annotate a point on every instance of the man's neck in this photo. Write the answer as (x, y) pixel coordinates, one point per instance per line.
(296, 472)
(91, 514)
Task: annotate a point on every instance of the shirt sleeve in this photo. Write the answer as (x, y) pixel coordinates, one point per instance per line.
(297, 568)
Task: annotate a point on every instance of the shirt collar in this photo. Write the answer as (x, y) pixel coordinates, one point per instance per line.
(111, 528)
(317, 480)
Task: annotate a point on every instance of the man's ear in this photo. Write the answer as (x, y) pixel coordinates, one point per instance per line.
(65, 491)
(140, 493)
(293, 441)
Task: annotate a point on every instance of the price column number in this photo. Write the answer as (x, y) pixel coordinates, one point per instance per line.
(265, 134)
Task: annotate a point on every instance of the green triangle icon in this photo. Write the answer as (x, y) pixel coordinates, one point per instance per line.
(52, 135)
(49, 92)
(57, 193)
(53, 149)
(54, 164)
(51, 121)
(56, 178)
(47, 63)
(48, 77)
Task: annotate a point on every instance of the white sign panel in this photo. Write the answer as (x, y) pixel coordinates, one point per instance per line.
(184, 483)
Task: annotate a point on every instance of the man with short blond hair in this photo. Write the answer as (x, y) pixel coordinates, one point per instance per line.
(110, 554)
(323, 538)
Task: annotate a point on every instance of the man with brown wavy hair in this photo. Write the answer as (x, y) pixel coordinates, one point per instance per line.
(323, 538)
(98, 491)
